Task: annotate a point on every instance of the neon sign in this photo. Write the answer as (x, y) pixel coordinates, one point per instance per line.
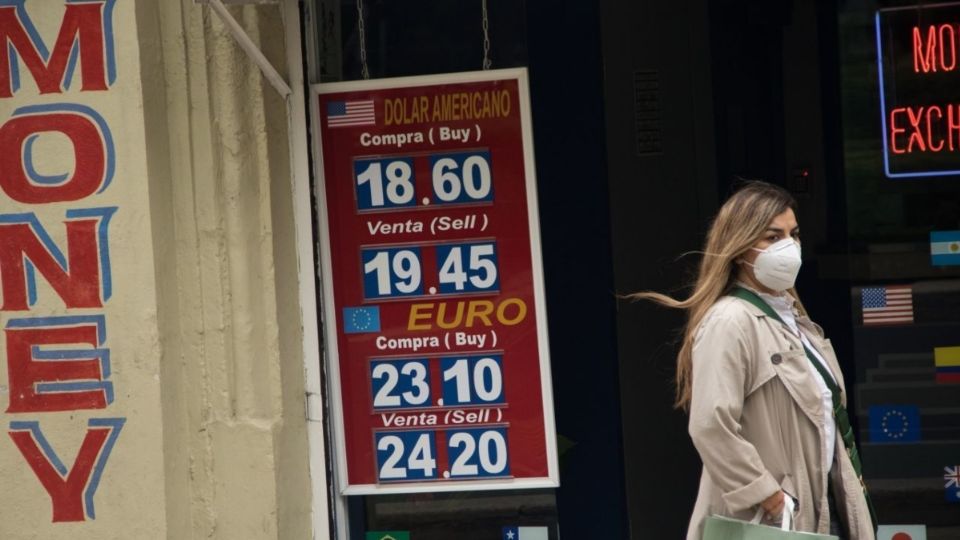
(917, 66)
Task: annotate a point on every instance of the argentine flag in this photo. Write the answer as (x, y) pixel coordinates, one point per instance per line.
(945, 248)
(525, 533)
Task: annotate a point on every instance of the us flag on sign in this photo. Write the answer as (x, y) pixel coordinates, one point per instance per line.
(888, 305)
(351, 113)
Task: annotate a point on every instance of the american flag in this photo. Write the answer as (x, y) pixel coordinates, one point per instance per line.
(351, 113)
(888, 305)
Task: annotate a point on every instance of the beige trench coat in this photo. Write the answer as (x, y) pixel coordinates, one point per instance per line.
(757, 420)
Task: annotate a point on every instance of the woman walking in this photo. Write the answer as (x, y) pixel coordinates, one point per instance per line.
(761, 383)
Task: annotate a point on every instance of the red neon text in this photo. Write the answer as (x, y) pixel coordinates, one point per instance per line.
(924, 129)
(935, 50)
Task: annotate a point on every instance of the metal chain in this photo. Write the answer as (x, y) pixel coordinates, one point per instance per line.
(486, 36)
(364, 70)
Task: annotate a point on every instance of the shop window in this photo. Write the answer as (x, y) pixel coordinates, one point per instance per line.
(901, 145)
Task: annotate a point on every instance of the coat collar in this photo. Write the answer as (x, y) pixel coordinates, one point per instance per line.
(789, 299)
(812, 330)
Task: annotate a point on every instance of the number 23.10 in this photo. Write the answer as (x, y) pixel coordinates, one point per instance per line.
(471, 380)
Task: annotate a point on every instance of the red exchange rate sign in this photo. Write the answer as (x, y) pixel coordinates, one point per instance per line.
(435, 318)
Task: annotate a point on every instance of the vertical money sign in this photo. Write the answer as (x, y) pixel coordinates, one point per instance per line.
(53, 292)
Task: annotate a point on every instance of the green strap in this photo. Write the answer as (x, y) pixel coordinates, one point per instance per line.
(839, 411)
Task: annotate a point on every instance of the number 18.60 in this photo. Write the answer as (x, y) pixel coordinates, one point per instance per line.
(455, 178)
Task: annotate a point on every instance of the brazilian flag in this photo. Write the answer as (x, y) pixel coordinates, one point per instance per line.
(388, 535)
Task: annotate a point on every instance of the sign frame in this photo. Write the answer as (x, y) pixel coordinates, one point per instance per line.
(918, 174)
(329, 325)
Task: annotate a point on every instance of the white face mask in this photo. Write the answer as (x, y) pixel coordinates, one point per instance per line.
(777, 266)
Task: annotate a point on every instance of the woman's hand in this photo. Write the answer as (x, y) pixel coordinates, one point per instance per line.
(773, 505)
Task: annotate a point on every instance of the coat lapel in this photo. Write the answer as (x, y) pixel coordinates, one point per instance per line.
(823, 345)
(792, 365)
(797, 374)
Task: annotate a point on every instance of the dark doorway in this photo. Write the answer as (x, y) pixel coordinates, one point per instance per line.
(700, 95)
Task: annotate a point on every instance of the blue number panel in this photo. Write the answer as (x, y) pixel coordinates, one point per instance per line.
(366, 189)
(473, 178)
(485, 384)
(392, 285)
(487, 456)
(403, 456)
(468, 268)
(400, 387)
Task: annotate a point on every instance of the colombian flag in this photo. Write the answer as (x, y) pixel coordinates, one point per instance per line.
(947, 361)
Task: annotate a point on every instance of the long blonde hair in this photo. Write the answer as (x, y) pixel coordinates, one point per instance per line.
(739, 224)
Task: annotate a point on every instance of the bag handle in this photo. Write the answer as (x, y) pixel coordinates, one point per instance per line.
(786, 522)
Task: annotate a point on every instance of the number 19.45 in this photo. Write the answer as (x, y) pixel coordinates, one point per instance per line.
(461, 268)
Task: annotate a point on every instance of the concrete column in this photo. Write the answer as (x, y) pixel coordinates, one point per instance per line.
(233, 400)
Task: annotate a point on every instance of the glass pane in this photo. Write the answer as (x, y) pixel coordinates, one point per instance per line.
(902, 172)
(416, 37)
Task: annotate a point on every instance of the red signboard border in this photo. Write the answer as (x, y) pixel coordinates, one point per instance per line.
(332, 359)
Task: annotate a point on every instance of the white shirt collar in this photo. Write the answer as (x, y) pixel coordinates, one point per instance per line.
(780, 303)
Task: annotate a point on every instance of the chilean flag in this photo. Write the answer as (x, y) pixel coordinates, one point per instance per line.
(525, 533)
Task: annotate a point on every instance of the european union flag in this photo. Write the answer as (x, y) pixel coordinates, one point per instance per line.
(360, 320)
(894, 423)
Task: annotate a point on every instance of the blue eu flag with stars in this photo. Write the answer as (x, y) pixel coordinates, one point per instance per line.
(360, 320)
(894, 423)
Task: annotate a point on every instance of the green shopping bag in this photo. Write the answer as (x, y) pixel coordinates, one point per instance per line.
(723, 528)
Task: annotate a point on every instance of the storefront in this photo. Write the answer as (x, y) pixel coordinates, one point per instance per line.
(341, 269)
